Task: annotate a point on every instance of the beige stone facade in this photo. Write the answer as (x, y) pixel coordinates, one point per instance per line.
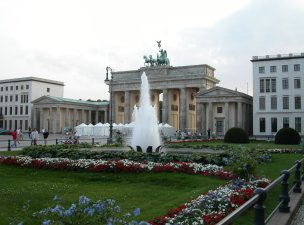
(56, 113)
(178, 87)
(220, 109)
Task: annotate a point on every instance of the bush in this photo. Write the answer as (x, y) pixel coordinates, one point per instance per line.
(244, 162)
(236, 135)
(287, 136)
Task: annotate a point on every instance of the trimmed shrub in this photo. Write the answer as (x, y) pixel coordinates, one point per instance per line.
(236, 135)
(287, 136)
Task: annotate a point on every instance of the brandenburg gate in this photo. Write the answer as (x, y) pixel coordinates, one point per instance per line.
(177, 86)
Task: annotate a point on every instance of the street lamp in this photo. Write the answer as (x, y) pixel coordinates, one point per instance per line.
(109, 82)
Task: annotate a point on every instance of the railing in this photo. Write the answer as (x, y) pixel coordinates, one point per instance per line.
(257, 201)
(278, 56)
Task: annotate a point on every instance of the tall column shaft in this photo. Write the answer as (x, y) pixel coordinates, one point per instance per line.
(183, 109)
(226, 113)
(210, 116)
(58, 120)
(165, 106)
(127, 114)
(239, 114)
(203, 119)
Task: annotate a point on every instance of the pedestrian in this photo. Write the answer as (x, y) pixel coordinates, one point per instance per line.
(14, 135)
(209, 133)
(29, 132)
(35, 136)
(45, 136)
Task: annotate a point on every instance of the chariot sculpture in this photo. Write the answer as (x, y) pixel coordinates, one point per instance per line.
(161, 58)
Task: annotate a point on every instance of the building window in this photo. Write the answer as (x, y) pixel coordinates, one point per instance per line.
(297, 83)
(26, 110)
(262, 125)
(6, 98)
(21, 87)
(5, 111)
(219, 126)
(1, 98)
(285, 102)
(273, 85)
(48, 90)
(262, 90)
(296, 67)
(12, 88)
(24, 98)
(285, 122)
(6, 88)
(262, 69)
(21, 110)
(284, 68)
(219, 109)
(273, 102)
(298, 124)
(274, 126)
(11, 98)
(26, 124)
(17, 87)
(297, 102)
(16, 98)
(267, 85)
(1, 88)
(27, 86)
(285, 83)
(16, 110)
(273, 69)
(262, 103)
(11, 110)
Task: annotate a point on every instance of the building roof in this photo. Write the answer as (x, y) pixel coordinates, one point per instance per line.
(69, 100)
(277, 57)
(23, 79)
(218, 91)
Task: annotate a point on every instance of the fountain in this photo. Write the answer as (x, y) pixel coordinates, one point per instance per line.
(145, 131)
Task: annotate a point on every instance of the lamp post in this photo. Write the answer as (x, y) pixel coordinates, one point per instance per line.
(110, 82)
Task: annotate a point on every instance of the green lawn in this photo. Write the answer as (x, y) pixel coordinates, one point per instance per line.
(272, 171)
(155, 194)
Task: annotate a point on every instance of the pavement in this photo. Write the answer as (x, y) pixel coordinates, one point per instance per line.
(4, 140)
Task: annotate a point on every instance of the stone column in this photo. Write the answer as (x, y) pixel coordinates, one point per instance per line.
(127, 116)
(203, 119)
(113, 108)
(199, 117)
(75, 117)
(51, 121)
(34, 118)
(239, 115)
(183, 109)
(165, 106)
(41, 120)
(226, 113)
(210, 118)
(58, 123)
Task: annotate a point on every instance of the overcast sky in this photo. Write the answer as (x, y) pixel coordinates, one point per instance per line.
(74, 41)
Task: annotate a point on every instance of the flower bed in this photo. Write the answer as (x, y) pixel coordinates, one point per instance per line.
(213, 206)
(207, 209)
(117, 166)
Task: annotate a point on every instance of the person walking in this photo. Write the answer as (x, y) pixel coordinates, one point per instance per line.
(45, 136)
(35, 136)
(14, 135)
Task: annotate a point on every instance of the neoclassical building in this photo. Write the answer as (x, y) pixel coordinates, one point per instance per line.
(56, 113)
(219, 109)
(177, 86)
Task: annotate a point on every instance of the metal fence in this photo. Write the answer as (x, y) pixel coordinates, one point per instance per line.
(257, 201)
